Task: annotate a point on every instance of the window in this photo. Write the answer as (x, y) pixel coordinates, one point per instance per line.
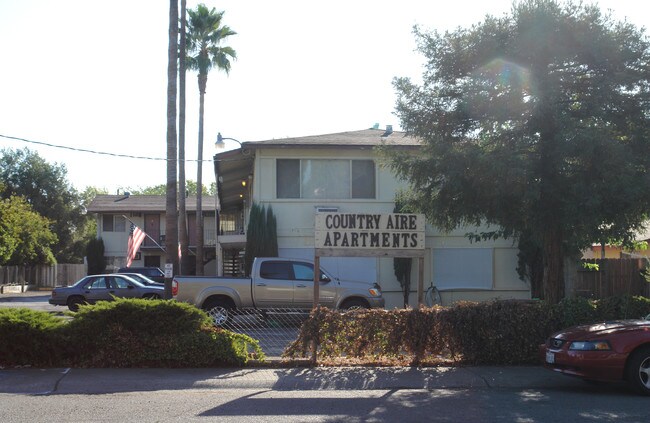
(463, 268)
(276, 270)
(303, 272)
(113, 223)
(285, 270)
(288, 178)
(363, 179)
(97, 283)
(325, 178)
(118, 283)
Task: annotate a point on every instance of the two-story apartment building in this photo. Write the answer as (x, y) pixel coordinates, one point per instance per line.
(342, 172)
(297, 178)
(115, 213)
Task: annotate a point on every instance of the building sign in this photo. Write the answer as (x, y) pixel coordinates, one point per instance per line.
(369, 234)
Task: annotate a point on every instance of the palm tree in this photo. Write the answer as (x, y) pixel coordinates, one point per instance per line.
(204, 36)
(171, 222)
(183, 237)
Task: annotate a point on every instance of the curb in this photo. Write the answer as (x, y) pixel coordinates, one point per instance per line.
(30, 381)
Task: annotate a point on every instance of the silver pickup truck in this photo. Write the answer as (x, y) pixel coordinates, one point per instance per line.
(274, 283)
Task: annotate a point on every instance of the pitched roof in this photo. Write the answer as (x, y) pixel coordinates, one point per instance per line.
(142, 203)
(366, 138)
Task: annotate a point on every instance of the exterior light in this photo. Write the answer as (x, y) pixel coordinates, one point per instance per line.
(220, 144)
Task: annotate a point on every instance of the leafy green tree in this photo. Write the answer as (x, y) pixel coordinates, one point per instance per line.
(46, 188)
(190, 187)
(205, 33)
(25, 236)
(536, 124)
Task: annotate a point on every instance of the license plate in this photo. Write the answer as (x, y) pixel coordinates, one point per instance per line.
(550, 357)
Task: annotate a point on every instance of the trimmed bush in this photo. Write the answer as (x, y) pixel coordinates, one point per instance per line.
(121, 333)
(30, 337)
(153, 333)
(498, 332)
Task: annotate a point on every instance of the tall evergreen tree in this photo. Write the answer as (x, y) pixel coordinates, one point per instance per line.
(95, 254)
(261, 235)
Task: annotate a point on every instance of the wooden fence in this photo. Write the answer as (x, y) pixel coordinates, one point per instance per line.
(614, 277)
(42, 276)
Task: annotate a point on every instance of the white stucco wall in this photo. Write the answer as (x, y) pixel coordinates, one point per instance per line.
(295, 229)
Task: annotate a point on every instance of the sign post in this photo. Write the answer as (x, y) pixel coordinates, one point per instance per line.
(368, 235)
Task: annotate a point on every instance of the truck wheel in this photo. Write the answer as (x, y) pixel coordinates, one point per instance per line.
(638, 370)
(354, 304)
(220, 311)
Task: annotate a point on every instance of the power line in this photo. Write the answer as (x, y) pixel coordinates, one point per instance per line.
(83, 150)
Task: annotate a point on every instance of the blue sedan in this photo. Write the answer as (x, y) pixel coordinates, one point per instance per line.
(91, 289)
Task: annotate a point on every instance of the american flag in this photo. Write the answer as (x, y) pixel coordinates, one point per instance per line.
(136, 236)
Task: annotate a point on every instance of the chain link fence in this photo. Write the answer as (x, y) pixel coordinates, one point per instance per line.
(274, 328)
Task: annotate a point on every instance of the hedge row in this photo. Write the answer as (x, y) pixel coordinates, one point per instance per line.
(121, 333)
(498, 332)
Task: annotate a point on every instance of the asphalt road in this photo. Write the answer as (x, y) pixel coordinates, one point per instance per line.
(481, 394)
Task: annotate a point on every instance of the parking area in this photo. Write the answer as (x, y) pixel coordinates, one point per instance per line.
(35, 300)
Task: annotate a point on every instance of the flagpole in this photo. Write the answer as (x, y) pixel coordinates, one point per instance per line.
(146, 234)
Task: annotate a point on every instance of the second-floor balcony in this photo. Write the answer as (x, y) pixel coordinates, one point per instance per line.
(232, 229)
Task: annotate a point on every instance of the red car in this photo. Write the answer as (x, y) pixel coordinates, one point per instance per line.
(610, 351)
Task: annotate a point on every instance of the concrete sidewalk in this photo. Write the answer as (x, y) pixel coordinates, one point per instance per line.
(102, 381)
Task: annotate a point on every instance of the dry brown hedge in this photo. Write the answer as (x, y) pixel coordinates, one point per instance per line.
(495, 332)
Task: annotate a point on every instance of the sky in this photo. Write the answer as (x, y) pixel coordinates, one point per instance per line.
(92, 75)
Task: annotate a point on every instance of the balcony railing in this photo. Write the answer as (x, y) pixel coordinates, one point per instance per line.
(231, 224)
(209, 239)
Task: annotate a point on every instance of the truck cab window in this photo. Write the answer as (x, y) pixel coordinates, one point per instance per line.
(276, 270)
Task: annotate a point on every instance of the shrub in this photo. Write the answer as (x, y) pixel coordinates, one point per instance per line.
(95, 256)
(625, 307)
(576, 311)
(497, 332)
(30, 337)
(121, 333)
(153, 333)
